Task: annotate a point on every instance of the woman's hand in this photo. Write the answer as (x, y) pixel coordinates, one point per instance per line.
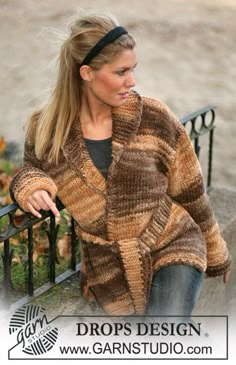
(40, 199)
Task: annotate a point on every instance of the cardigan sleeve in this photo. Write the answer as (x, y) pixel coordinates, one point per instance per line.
(186, 187)
(31, 177)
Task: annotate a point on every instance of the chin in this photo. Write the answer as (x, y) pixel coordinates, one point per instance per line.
(117, 103)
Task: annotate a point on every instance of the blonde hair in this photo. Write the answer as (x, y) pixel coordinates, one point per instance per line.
(54, 120)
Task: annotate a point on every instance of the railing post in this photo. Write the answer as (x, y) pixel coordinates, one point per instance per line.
(7, 260)
(30, 261)
(73, 245)
(52, 248)
(197, 146)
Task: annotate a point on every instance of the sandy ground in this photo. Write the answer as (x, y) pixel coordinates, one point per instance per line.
(186, 57)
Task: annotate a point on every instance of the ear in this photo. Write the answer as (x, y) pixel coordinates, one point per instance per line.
(86, 73)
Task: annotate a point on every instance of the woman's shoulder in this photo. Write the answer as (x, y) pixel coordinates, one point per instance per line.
(160, 114)
(31, 126)
(154, 105)
(154, 102)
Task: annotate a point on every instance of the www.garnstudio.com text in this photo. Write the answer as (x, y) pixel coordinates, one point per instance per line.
(135, 348)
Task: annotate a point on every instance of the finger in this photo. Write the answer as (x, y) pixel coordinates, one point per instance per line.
(38, 202)
(51, 205)
(35, 203)
(226, 277)
(33, 211)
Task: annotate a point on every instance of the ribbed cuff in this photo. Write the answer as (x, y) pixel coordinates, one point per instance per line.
(220, 269)
(29, 180)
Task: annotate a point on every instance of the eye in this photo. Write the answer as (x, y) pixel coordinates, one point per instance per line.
(121, 72)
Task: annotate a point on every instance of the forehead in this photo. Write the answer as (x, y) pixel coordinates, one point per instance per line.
(126, 58)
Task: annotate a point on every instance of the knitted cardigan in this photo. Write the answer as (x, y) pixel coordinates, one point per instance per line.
(152, 211)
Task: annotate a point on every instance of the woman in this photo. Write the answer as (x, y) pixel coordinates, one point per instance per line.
(124, 167)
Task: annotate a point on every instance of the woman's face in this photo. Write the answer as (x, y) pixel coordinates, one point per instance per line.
(112, 82)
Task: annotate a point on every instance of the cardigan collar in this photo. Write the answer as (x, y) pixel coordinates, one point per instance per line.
(125, 123)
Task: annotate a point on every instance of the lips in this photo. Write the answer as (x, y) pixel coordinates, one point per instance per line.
(124, 95)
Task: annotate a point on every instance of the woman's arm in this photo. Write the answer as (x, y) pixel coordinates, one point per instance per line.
(31, 187)
(186, 187)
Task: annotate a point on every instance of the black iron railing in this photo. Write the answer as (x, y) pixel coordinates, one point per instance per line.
(27, 224)
(206, 117)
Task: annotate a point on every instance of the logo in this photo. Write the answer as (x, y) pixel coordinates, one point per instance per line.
(33, 330)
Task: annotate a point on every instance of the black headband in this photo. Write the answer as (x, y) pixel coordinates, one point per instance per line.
(104, 41)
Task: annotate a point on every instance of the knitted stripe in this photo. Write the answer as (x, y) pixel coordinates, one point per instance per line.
(121, 306)
(219, 269)
(128, 227)
(134, 273)
(153, 146)
(91, 204)
(204, 217)
(180, 259)
(216, 254)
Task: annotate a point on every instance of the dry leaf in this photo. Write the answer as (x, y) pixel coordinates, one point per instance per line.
(24, 235)
(14, 241)
(2, 144)
(64, 247)
(1, 183)
(18, 219)
(16, 259)
(5, 180)
(42, 247)
(35, 255)
(8, 200)
(3, 199)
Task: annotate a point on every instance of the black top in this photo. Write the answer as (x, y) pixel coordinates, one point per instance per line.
(100, 153)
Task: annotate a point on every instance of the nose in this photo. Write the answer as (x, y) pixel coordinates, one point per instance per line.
(130, 82)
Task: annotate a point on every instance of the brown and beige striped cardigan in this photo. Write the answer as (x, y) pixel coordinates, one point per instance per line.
(152, 211)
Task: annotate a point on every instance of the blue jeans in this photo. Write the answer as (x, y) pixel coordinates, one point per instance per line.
(175, 290)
